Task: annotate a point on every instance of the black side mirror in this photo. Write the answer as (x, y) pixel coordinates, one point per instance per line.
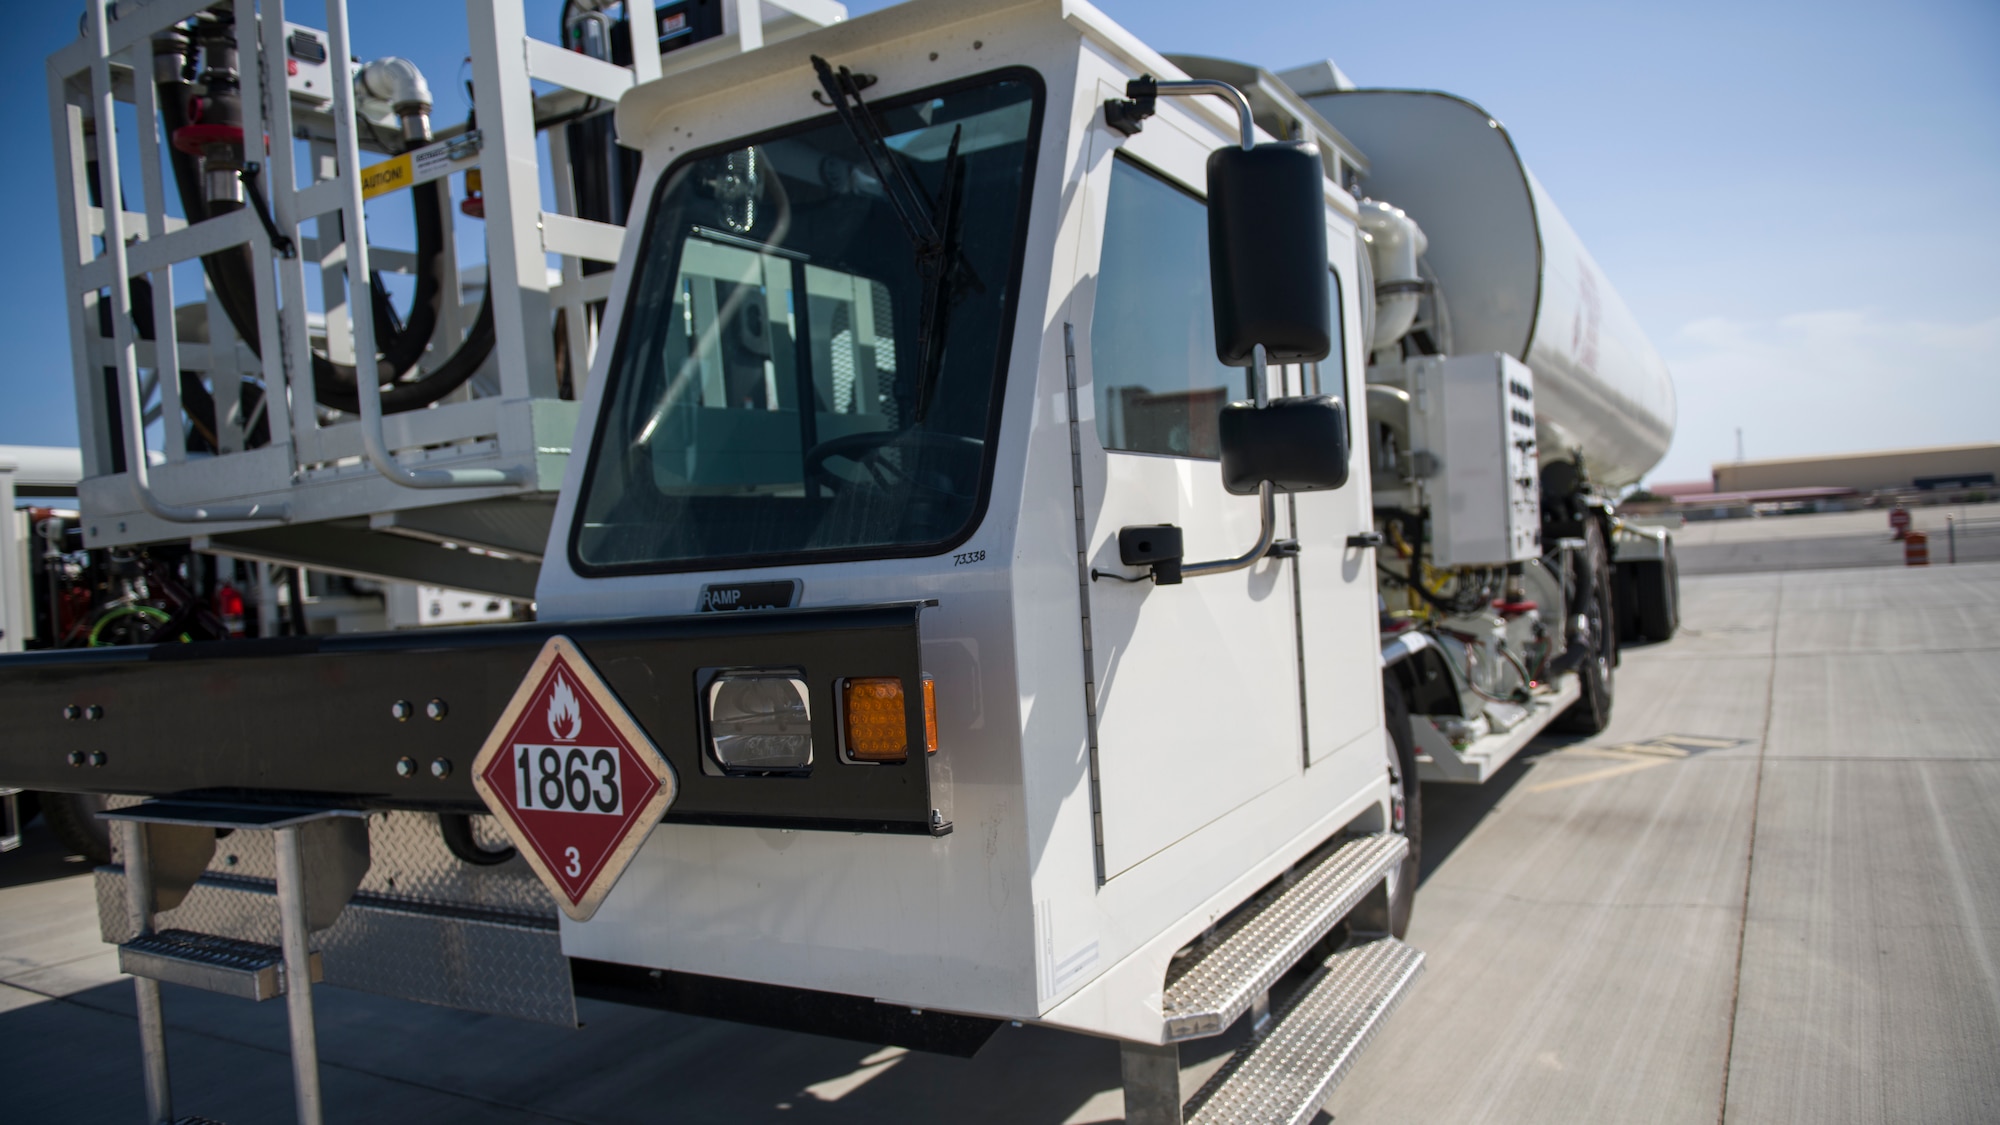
(1298, 444)
(1267, 260)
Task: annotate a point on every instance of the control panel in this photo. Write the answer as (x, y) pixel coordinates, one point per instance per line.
(1475, 416)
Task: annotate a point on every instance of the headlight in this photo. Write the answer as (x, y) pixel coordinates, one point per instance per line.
(760, 721)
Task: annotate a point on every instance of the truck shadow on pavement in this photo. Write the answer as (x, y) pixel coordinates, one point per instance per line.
(1452, 812)
(40, 857)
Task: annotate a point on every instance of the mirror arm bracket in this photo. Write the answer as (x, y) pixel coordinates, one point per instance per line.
(1128, 117)
(1266, 497)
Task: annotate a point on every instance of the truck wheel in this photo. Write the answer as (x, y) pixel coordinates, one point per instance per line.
(1407, 806)
(1591, 712)
(1658, 598)
(73, 819)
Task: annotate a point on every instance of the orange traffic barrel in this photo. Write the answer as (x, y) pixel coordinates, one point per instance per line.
(1899, 520)
(1916, 549)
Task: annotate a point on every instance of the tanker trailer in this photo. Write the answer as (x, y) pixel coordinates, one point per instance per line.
(1511, 394)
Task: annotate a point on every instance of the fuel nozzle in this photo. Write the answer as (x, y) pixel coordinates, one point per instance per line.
(214, 131)
(398, 83)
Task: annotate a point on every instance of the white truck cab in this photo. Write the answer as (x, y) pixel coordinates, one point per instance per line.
(1237, 720)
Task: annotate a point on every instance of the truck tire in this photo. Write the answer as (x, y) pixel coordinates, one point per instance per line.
(1591, 712)
(1656, 593)
(73, 819)
(1402, 750)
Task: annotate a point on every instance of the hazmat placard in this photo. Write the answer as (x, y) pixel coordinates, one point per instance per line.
(576, 783)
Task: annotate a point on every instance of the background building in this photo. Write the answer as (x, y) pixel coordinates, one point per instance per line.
(1950, 467)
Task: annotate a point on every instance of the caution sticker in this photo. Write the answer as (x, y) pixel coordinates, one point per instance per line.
(431, 162)
(390, 175)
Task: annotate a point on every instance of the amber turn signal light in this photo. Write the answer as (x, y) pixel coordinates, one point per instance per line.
(930, 715)
(876, 727)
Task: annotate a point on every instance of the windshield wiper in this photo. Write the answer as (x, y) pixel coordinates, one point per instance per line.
(932, 226)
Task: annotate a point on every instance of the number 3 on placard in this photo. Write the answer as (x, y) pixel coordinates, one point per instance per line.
(574, 869)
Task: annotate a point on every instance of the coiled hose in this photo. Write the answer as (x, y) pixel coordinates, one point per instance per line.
(232, 272)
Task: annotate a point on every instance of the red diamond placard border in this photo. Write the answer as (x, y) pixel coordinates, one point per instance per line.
(561, 647)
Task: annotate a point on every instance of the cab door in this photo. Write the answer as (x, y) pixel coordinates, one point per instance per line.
(1339, 639)
(1198, 704)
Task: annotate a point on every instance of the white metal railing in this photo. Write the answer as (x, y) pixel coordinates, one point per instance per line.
(505, 432)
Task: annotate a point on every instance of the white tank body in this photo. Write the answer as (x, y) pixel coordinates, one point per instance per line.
(1515, 277)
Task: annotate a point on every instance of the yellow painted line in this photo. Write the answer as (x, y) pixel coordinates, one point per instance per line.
(1597, 775)
(1601, 753)
(1653, 749)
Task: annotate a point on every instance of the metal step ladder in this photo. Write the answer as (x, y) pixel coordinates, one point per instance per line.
(322, 855)
(1297, 1055)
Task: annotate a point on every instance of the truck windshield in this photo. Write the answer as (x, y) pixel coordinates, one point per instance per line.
(768, 401)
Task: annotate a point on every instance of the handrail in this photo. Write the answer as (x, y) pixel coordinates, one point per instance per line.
(369, 390)
(131, 409)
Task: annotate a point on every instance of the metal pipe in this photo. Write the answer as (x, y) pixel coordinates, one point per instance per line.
(1246, 123)
(267, 600)
(1257, 551)
(368, 389)
(146, 991)
(294, 937)
(1951, 540)
(1260, 392)
(131, 409)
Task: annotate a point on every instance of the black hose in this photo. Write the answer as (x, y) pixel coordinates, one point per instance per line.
(232, 273)
(1583, 644)
(456, 829)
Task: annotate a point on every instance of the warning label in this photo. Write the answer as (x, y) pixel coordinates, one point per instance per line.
(428, 163)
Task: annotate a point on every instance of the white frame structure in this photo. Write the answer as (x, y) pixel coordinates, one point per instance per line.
(404, 474)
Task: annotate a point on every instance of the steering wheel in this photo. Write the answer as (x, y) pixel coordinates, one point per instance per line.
(866, 447)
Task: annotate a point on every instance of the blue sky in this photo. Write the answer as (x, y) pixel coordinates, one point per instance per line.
(1800, 202)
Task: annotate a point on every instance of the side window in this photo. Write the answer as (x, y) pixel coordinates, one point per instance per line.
(1152, 336)
(1329, 376)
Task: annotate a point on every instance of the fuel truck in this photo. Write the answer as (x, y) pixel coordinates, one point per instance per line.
(1011, 518)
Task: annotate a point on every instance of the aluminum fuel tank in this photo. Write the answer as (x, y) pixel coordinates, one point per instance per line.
(1516, 279)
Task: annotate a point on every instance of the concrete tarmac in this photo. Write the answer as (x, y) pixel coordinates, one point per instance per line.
(1768, 892)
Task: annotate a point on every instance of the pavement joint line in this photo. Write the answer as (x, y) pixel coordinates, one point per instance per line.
(1799, 654)
(1750, 853)
(40, 965)
(324, 1062)
(1968, 759)
(1573, 904)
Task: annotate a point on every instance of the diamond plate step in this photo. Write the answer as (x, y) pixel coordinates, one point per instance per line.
(1250, 951)
(205, 961)
(1287, 1074)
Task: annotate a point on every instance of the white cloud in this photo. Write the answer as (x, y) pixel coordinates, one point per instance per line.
(1836, 381)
